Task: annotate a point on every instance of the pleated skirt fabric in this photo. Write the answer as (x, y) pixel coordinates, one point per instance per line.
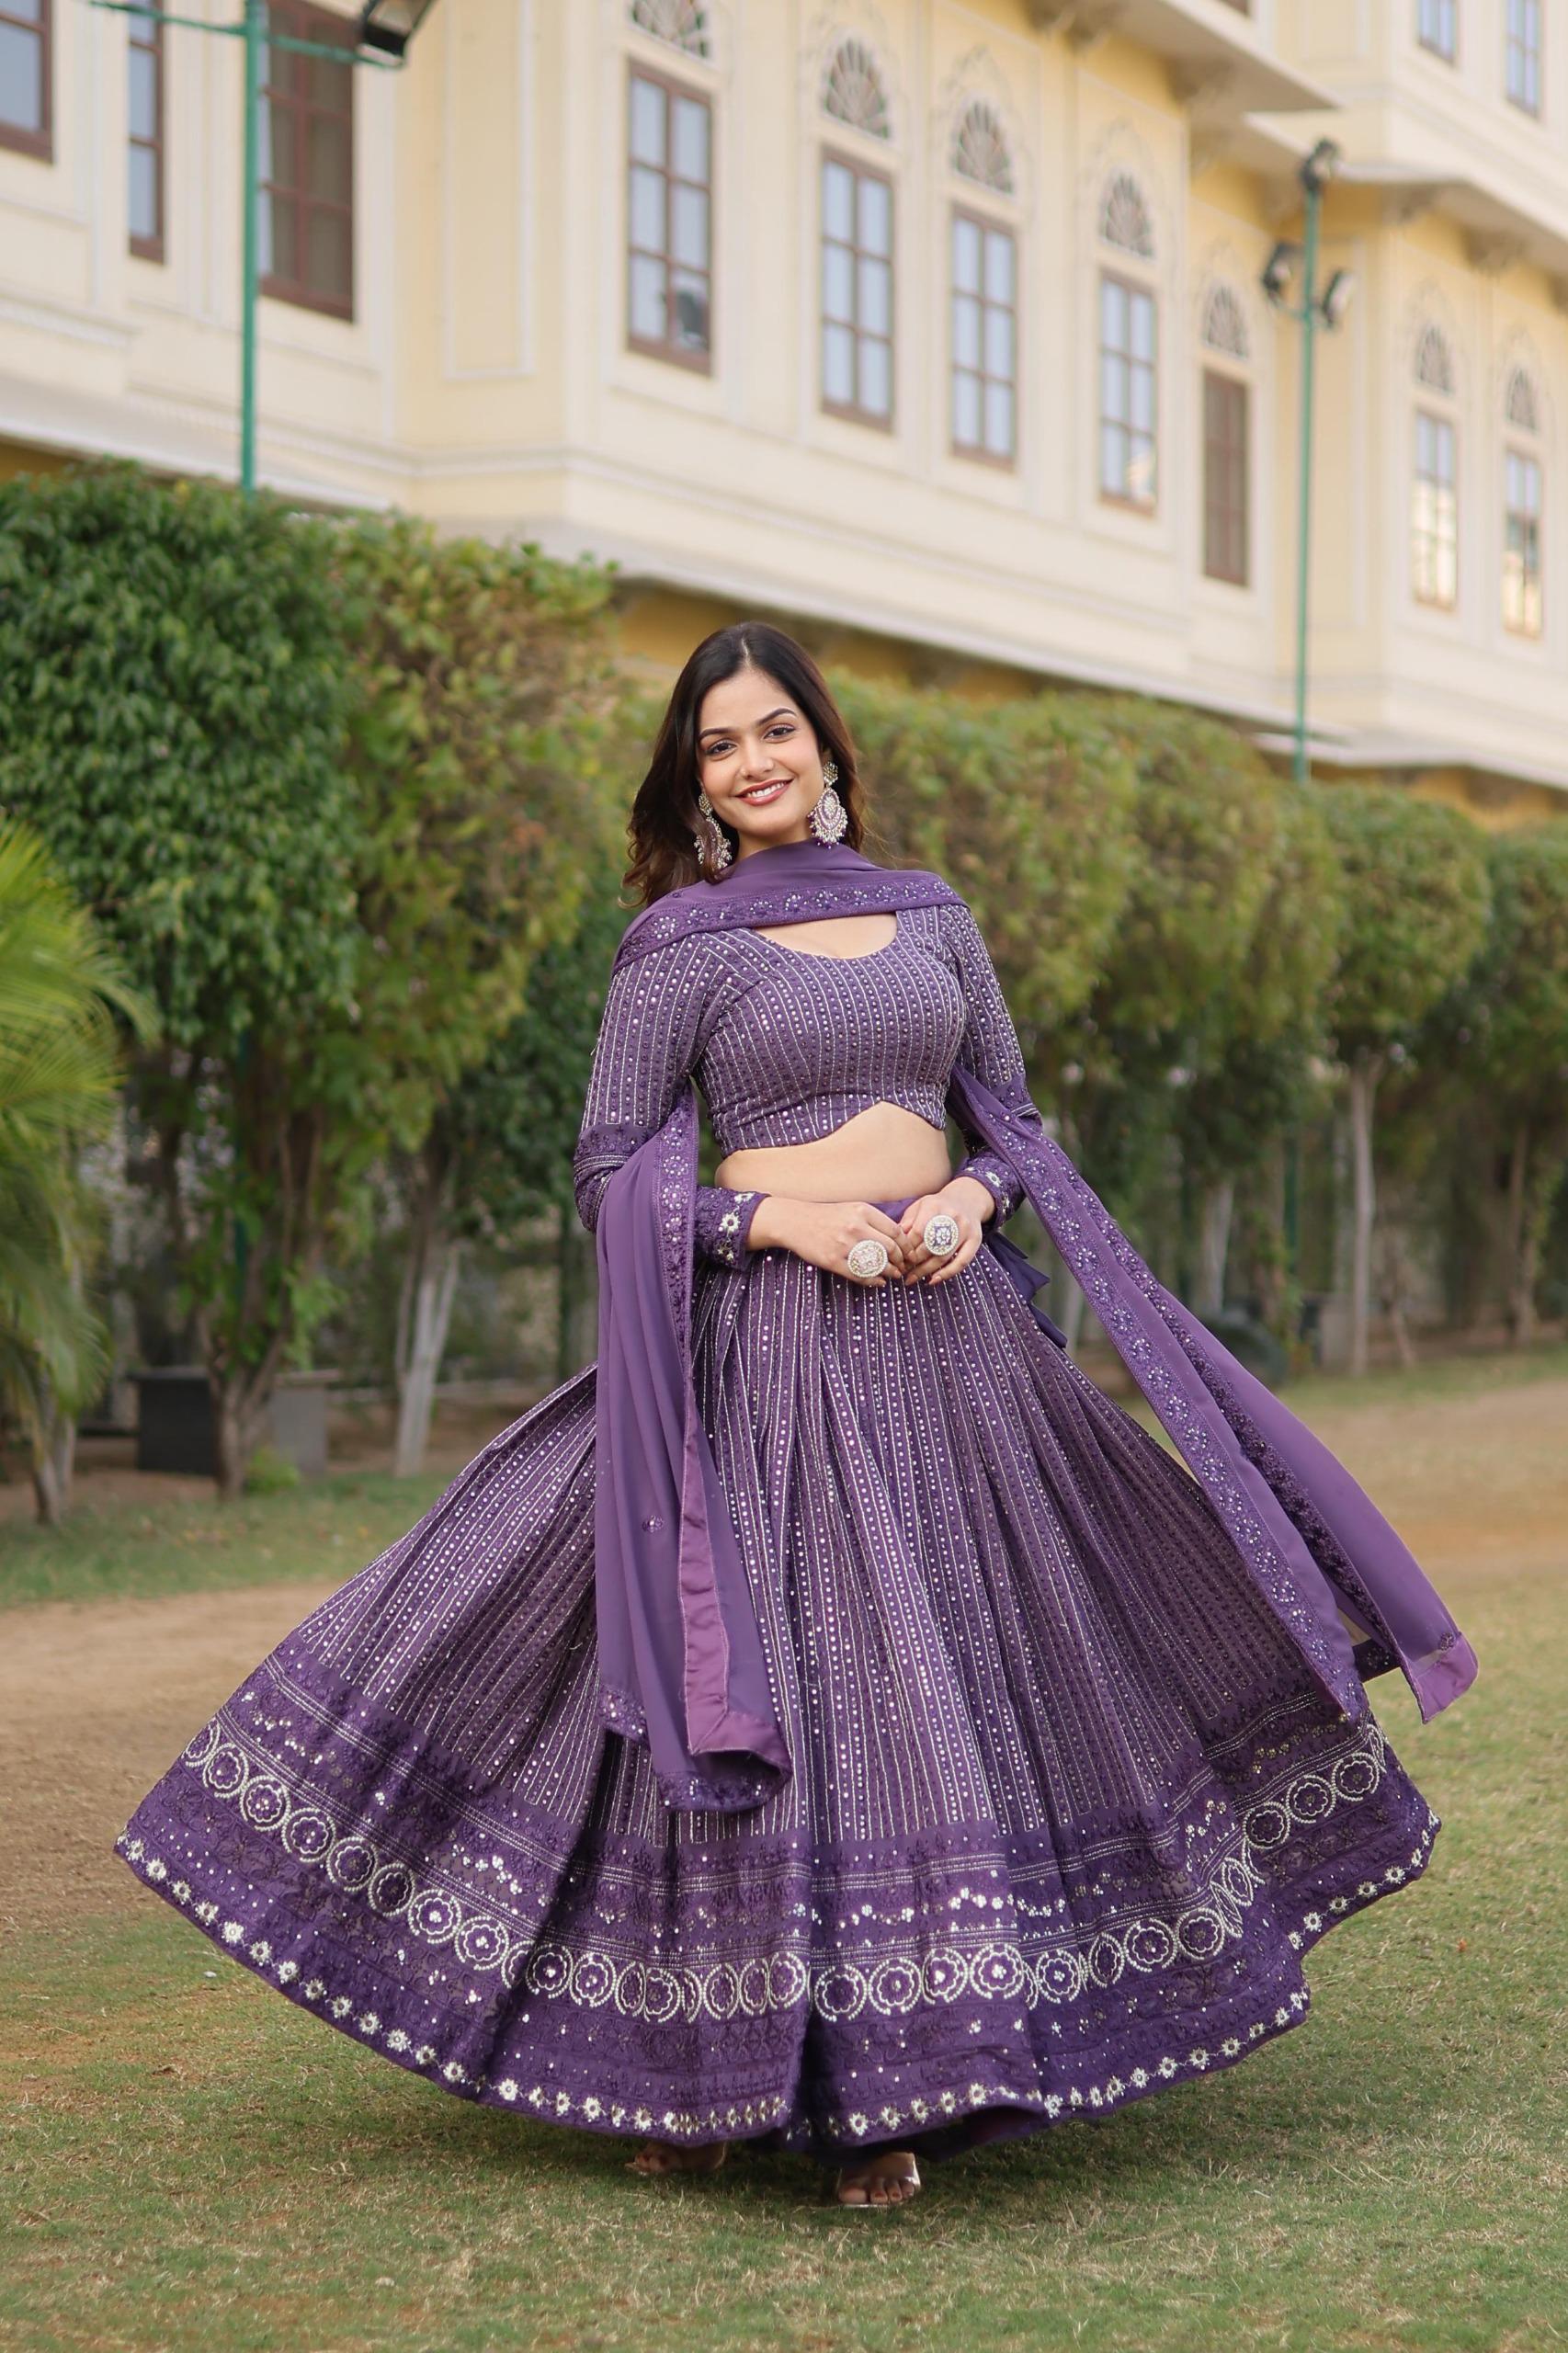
(1067, 1809)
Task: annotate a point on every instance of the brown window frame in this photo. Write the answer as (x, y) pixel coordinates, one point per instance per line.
(978, 449)
(39, 143)
(1227, 464)
(143, 33)
(1122, 498)
(884, 420)
(300, 21)
(1526, 458)
(1436, 604)
(698, 358)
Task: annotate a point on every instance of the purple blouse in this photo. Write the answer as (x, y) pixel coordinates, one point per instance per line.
(786, 1045)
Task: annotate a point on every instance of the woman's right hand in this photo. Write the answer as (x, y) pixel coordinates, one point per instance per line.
(823, 1234)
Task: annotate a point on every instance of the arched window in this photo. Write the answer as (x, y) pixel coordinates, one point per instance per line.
(853, 90)
(683, 23)
(1124, 218)
(1522, 499)
(1227, 440)
(1433, 513)
(980, 148)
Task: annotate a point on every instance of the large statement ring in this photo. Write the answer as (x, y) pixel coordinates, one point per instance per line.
(868, 1258)
(941, 1234)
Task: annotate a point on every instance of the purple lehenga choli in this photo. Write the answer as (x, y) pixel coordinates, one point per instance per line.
(828, 1719)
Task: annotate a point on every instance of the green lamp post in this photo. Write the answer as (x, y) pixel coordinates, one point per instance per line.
(1312, 312)
(381, 33)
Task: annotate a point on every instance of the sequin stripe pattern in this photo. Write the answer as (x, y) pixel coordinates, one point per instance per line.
(609, 2110)
(988, 1967)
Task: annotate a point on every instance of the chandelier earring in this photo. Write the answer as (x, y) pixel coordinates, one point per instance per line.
(828, 817)
(713, 851)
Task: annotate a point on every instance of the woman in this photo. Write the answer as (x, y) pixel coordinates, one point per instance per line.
(828, 1719)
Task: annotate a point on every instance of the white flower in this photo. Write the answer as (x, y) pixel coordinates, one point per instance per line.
(591, 2106)
(1230, 2046)
(234, 1933)
(1167, 2066)
(508, 2089)
(340, 2006)
(1140, 2076)
(261, 1951)
(455, 2072)
(314, 1990)
(368, 2023)
(397, 2040)
(426, 2054)
(643, 2120)
(207, 1913)
(563, 2102)
(156, 1870)
(858, 2123)
(287, 1971)
(1200, 2057)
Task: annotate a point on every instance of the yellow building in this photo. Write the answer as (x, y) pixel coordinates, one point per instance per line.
(934, 327)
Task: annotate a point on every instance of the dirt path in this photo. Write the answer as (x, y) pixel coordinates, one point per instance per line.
(97, 1698)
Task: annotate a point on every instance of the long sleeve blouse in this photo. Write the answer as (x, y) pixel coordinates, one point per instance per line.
(786, 1045)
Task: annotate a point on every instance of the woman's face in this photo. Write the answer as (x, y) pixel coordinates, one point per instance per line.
(757, 759)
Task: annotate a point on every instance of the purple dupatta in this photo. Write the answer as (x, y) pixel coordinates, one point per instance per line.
(682, 1663)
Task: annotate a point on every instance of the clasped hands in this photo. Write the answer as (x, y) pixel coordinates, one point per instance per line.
(823, 1233)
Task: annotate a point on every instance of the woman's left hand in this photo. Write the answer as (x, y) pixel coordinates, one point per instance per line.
(957, 1201)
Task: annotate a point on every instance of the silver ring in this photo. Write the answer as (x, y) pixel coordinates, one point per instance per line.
(868, 1258)
(941, 1234)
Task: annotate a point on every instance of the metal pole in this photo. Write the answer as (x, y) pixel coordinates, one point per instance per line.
(254, 35)
(1308, 315)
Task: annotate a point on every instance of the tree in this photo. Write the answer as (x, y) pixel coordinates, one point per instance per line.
(59, 1079)
(483, 690)
(173, 702)
(1416, 898)
(1517, 1000)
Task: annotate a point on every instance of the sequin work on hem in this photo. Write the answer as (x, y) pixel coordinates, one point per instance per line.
(1067, 1813)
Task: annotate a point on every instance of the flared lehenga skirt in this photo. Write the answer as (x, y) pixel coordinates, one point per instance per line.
(1067, 1808)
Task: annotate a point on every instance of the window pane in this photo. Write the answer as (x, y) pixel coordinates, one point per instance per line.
(647, 298)
(647, 209)
(21, 79)
(838, 364)
(1142, 310)
(876, 377)
(874, 289)
(1143, 387)
(837, 201)
(1113, 388)
(142, 67)
(279, 157)
(966, 256)
(690, 140)
(966, 331)
(279, 213)
(966, 409)
(1113, 445)
(689, 224)
(688, 300)
(1140, 470)
(647, 121)
(31, 9)
(999, 267)
(875, 216)
(838, 283)
(328, 169)
(143, 202)
(328, 254)
(998, 342)
(327, 84)
(1113, 313)
(999, 420)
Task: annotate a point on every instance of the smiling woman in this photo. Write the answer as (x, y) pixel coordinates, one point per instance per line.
(828, 1721)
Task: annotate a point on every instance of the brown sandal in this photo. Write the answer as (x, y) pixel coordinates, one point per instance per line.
(895, 2168)
(655, 2159)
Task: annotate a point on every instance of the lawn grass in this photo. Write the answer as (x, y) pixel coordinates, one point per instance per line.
(325, 1528)
(194, 2164)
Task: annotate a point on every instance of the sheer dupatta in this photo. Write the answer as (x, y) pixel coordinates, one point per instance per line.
(682, 1663)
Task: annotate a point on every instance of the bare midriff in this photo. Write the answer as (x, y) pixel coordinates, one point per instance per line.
(880, 1154)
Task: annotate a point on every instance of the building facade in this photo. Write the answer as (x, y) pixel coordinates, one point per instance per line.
(935, 328)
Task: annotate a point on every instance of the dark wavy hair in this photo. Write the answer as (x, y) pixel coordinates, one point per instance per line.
(662, 827)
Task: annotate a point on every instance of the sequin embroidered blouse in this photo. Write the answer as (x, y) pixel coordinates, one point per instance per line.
(785, 1045)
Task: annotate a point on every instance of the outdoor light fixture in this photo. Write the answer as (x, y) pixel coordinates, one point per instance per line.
(390, 25)
(1337, 297)
(1318, 168)
(1278, 269)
